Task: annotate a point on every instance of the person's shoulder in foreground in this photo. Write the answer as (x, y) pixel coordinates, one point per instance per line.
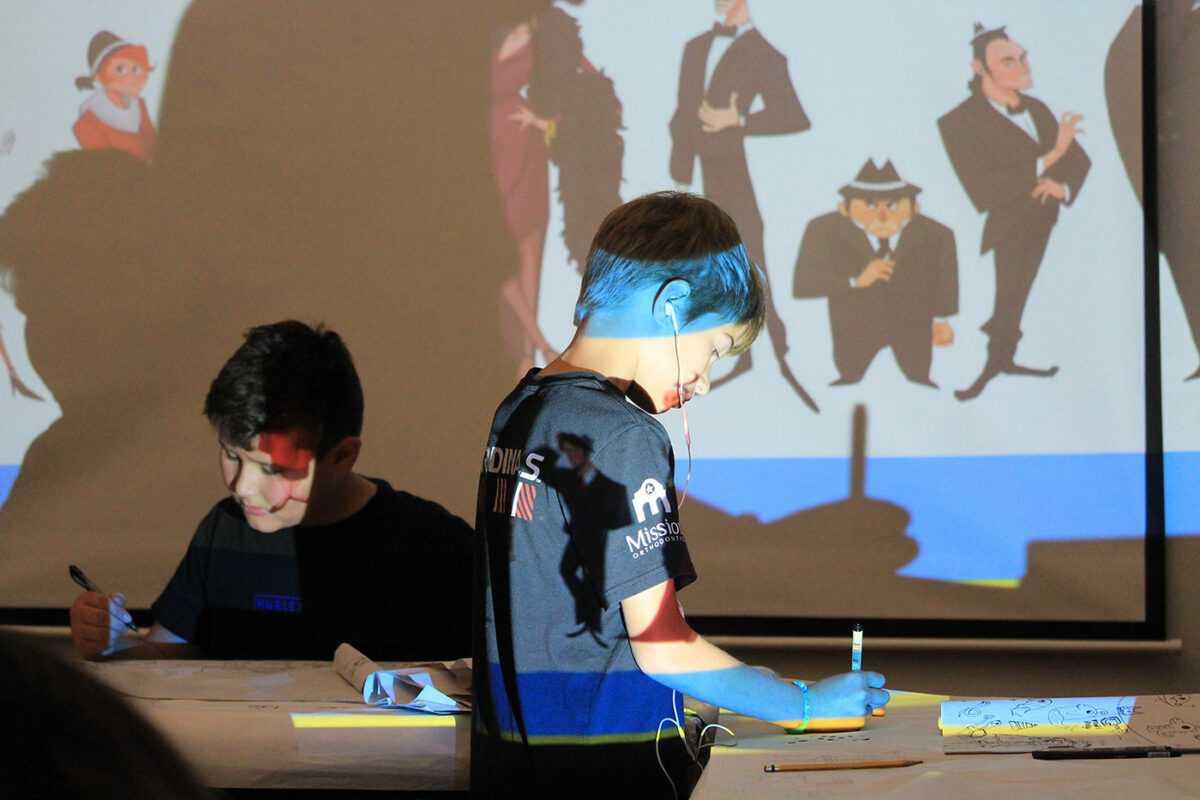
(569, 683)
(270, 572)
(77, 736)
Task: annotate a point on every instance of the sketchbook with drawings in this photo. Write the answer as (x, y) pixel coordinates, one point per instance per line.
(1025, 725)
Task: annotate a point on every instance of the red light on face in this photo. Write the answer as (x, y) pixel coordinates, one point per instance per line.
(289, 450)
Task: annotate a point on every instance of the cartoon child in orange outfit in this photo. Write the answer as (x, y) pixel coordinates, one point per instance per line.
(114, 115)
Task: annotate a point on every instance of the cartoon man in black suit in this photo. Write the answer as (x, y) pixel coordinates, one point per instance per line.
(1018, 164)
(890, 273)
(723, 71)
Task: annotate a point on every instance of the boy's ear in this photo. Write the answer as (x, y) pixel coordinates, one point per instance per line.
(343, 455)
(673, 298)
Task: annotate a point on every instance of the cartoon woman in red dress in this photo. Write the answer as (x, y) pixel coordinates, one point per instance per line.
(114, 115)
(549, 104)
(519, 141)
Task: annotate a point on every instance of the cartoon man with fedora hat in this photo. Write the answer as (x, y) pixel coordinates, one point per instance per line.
(890, 273)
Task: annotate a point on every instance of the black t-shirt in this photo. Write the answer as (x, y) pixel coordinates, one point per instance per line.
(393, 580)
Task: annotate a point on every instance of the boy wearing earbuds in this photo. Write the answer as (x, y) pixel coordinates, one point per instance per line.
(304, 553)
(582, 654)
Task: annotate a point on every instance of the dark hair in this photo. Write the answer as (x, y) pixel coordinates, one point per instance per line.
(287, 376)
(667, 235)
(71, 736)
(979, 53)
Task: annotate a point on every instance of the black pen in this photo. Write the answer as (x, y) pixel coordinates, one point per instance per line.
(86, 582)
(1156, 751)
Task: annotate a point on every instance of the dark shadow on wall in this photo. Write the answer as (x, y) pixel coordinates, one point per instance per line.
(1017, 672)
(310, 163)
(839, 560)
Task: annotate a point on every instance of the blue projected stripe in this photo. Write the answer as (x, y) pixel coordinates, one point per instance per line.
(1181, 485)
(586, 705)
(972, 516)
(8, 476)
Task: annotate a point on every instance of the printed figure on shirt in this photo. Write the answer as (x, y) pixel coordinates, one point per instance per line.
(1019, 165)
(890, 273)
(726, 74)
(115, 115)
(549, 103)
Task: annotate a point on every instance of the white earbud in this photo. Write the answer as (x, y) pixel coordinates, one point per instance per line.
(670, 309)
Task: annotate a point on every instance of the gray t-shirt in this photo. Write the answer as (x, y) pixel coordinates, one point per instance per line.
(576, 513)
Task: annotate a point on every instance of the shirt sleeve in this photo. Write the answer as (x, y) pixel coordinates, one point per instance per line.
(184, 599)
(634, 541)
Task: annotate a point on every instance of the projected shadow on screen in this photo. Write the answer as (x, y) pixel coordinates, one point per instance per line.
(308, 165)
(841, 559)
(1178, 140)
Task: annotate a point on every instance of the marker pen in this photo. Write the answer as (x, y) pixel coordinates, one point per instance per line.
(856, 639)
(86, 582)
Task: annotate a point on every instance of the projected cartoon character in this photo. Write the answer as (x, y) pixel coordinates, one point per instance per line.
(14, 382)
(1018, 164)
(115, 115)
(723, 72)
(890, 273)
(549, 102)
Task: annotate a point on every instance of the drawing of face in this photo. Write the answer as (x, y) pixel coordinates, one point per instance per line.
(1007, 65)
(880, 217)
(732, 12)
(122, 75)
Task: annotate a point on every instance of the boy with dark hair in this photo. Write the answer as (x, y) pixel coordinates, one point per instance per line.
(668, 290)
(306, 553)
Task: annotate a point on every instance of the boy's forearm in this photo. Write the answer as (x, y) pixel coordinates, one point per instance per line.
(702, 670)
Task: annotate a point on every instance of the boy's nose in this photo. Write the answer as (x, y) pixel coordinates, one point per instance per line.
(241, 485)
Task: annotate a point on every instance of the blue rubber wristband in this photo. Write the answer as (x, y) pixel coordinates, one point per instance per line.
(807, 706)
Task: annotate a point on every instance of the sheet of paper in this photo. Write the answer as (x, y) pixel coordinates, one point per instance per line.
(432, 687)
(1024, 725)
(249, 681)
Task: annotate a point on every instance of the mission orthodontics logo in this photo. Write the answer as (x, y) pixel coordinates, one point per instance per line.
(650, 501)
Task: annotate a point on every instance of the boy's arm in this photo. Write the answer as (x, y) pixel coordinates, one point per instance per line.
(98, 632)
(668, 650)
(160, 643)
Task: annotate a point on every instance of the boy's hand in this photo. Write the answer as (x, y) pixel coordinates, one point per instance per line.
(97, 623)
(843, 702)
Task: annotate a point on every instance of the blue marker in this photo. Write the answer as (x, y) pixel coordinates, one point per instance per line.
(856, 647)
